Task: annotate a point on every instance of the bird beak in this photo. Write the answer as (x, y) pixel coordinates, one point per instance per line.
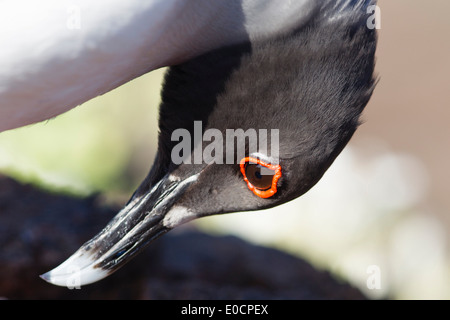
(135, 226)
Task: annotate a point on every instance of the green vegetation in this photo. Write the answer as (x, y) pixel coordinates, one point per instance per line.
(105, 145)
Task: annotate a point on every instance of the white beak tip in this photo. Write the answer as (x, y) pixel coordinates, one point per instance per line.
(72, 275)
(56, 279)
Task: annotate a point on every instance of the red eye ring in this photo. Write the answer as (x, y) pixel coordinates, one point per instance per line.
(275, 167)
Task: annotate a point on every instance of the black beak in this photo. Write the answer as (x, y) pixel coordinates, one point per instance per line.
(144, 219)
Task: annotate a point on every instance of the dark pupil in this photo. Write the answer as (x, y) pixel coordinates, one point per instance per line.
(260, 177)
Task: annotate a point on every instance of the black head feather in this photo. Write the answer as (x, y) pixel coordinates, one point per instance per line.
(311, 84)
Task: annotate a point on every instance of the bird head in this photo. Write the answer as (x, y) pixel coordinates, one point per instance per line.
(241, 128)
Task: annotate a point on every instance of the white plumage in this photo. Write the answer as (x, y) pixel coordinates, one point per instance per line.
(57, 54)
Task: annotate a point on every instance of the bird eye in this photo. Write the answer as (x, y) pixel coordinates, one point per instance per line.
(261, 177)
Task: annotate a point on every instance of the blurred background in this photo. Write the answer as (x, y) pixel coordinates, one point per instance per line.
(381, 210)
